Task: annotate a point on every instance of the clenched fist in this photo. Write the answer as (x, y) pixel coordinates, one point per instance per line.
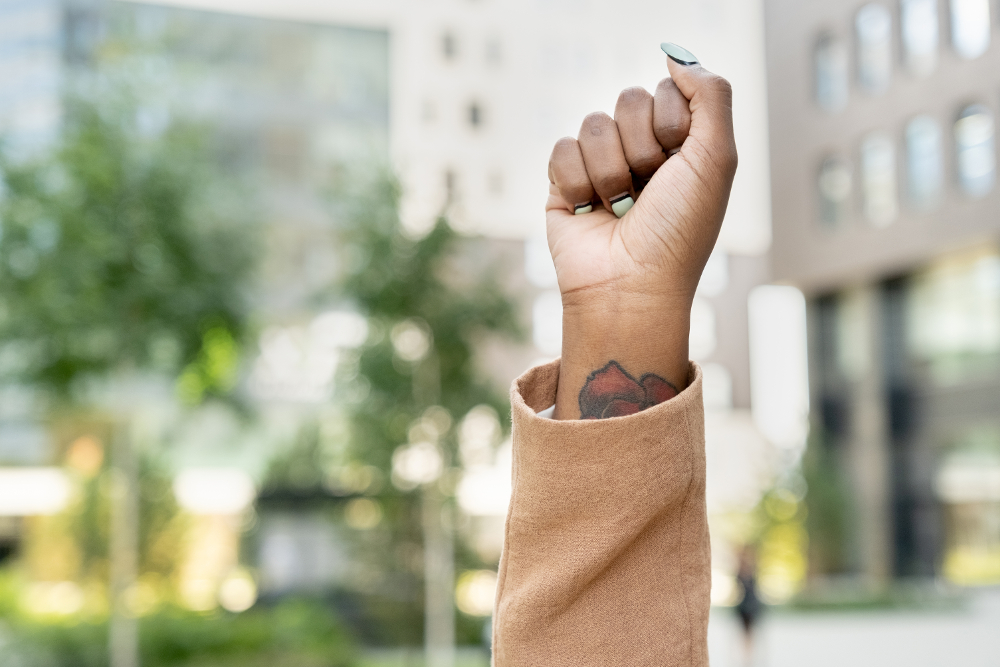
(635, 206)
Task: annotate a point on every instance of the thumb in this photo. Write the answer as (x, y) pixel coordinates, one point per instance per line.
(710, 98)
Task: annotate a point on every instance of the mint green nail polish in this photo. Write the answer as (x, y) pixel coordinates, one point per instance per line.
(678, 54)
(580, 209)
(622, 205)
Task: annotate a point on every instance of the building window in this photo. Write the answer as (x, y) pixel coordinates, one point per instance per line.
(475, 115)
(834, 185)
(449, 46)
(831, 74)
(494, 183)
(953, 315)
(878, 179)
(450, 187)
(494, 54)
(975, 144)
(970, 27)
(919, 23)
(873, 25)
(925, 173)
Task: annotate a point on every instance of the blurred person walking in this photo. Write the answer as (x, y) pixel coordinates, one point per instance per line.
(606, 558)
(750, 605)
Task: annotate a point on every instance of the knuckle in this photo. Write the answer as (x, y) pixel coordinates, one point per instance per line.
(721, 87)
(633, 96)
(648, 161)
(673, 125)
(563, 146)
(666, 84)
(731, 159)
(611, 183)
(594, 123)
(672, 133)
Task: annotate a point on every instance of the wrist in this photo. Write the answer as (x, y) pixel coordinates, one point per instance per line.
(642, 334)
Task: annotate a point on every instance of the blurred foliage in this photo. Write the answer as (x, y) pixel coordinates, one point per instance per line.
(395, 279)
(382, 603)
(828, 508)
(441, 293)
(73, 545)
(116, 257)
(783, 545)
(294, 633)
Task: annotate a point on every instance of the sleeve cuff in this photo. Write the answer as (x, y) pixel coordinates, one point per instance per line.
(606, 557)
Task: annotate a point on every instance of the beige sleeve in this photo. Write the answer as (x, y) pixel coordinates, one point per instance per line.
(606, 556)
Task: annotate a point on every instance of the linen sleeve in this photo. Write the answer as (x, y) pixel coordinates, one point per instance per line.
(606, 553)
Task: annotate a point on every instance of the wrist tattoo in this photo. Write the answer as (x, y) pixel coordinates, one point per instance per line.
(612, 392)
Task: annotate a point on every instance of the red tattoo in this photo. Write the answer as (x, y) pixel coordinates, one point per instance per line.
(611, 392)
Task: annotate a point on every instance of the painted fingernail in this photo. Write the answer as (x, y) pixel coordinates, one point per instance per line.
(580, 209)
(679, 54)
(621, 204)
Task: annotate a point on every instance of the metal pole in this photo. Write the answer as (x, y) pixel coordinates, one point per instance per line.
(439, 540)
(439, 580)
(123, 637)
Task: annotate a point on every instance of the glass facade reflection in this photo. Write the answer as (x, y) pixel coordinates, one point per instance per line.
(970, 27)
(975, 146)
(953, 316)
(919, 28)
(953, 342)
(834, 188)
(873, 25)
(832, 82)
(925, 171)
(878, 179)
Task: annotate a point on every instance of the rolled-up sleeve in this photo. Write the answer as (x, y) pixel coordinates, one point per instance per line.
(606, 554)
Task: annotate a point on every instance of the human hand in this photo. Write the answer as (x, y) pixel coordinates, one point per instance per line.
(628, 273)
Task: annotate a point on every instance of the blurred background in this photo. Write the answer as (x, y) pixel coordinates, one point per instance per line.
(267, 270)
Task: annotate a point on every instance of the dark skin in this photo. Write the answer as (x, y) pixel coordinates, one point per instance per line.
(628, 283)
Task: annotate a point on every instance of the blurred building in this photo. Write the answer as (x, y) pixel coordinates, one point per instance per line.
(465, 100)
(886, 213)
(480, 91)
(292, 109)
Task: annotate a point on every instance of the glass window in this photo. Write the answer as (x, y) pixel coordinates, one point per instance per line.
(878, 178)
(975, 144)
(831, 73)
(834, 191)
(919, 23)
(873, 25)
(449, 46)
(970, 27)
(953, 316)
(475, 115)
(924, 169)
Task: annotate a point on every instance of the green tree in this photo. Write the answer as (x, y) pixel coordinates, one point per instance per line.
(408, 288)
(430, 302)
(114, 261)
(119, 262)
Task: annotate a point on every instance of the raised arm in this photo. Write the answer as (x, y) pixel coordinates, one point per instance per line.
(606, 558)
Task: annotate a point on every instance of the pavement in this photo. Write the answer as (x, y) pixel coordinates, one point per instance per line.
(966, 638)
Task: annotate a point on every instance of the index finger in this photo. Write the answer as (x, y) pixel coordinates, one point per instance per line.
(671, 115)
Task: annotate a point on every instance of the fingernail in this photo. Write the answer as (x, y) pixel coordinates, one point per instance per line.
(580, 209)
(621, 204)
(679, 54)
